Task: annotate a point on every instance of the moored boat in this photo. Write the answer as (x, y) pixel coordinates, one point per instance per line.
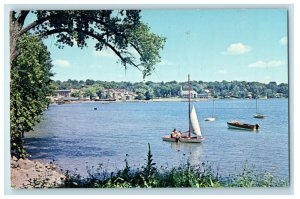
(242, 126)
(212, 118)
(258, 115)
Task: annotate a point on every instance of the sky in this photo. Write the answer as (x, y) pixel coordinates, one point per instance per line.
(208, 44)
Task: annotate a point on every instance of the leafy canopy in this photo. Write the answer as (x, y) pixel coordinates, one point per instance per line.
(121, 31)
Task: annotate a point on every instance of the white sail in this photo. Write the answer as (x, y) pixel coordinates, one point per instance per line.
(194, 124)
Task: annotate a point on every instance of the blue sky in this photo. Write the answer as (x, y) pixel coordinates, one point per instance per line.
(209, 44)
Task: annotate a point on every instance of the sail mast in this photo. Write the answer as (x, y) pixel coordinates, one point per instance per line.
(256, 104)
(213, 108)
(189, 105)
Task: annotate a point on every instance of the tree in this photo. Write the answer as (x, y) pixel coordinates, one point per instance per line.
(89, 82)
(99, 90)
(120, 31)
(149, 94)
(89, 92)
(140, 94)
(30, 88)
(76, 94)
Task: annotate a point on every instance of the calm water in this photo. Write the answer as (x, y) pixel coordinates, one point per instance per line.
(76, 136)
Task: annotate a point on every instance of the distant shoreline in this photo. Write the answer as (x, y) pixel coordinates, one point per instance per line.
(157, 100)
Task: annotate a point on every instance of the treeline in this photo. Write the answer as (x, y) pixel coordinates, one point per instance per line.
(150, 90)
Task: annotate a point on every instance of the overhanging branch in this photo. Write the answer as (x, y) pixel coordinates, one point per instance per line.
(60, 30)
(34, 24)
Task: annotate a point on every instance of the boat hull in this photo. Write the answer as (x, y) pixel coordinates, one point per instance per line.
(242, 126)
(183, 139)
(191, 140)
(169, 139)
(259, 116)
(210, 119)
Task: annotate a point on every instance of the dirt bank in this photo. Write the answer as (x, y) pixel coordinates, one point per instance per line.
(26, 173)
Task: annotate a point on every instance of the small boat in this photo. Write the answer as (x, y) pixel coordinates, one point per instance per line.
(211, 119)
(60, 102)
(242, 126)
(194, 127)
(258, 115)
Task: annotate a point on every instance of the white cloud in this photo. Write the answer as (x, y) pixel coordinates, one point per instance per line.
(62, 63)
(237, 49)
(283, 41)
(269, 64)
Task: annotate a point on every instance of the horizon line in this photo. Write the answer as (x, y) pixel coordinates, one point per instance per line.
(172, 81)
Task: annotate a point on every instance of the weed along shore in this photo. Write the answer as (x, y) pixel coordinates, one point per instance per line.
(185, 175)
(26, 173)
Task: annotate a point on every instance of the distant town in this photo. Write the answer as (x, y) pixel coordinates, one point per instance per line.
(90, 90)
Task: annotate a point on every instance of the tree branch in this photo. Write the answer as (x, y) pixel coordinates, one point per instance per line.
(35, 23)
(118, 34)
(60, 30)
(22, 16)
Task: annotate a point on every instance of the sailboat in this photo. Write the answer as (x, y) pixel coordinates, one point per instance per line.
(194, 127)
(211, 119)
(258, 115)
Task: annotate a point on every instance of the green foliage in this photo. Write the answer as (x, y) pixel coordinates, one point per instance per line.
(140, 94)
(149, 94)
(89, 92)
(30, 89)
(76, 94)
(147, 46)
(248, 178)
(149, 172)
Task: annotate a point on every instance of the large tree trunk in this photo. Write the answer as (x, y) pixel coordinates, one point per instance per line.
(15, 27)
(13, 36)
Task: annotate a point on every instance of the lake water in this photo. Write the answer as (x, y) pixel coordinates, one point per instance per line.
(76, 135)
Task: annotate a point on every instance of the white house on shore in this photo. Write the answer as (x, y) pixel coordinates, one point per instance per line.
(185, 94)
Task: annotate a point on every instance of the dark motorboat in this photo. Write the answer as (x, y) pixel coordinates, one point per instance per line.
(242, 126)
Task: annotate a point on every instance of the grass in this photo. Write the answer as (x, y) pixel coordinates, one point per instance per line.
(186, 175)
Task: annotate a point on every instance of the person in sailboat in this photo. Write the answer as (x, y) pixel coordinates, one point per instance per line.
(175, 134)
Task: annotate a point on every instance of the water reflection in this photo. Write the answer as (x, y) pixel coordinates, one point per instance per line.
(192, 151)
